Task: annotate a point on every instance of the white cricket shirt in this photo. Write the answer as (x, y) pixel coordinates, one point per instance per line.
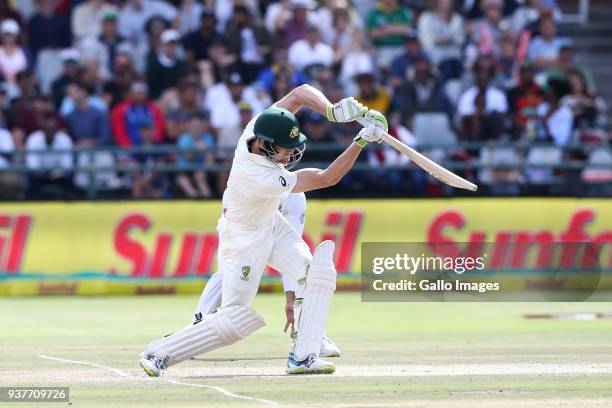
(256, 186)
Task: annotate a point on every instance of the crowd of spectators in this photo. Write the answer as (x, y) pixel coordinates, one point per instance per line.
(141, 75)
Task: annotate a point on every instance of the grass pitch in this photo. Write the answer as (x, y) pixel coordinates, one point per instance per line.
(394, 354)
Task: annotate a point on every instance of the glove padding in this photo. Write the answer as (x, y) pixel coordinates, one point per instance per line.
(376, 118)
(347, 110)
(372, 133)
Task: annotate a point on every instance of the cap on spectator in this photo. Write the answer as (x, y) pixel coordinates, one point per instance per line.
(411, 36)
(139, 86)
(244, 106)
(169, 36)
(235, 78)
(109, 15)
(9, 26)
(70, 55)
(307, 4)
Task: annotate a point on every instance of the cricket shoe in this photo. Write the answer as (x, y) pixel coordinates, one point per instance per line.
(310, 365)
(151, 364)
(329, 348)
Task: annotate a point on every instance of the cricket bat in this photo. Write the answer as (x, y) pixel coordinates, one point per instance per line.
(430, 166)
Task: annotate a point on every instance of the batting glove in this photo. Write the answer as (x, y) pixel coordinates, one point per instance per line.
(372, 133)
(347, 110)
(378, 119)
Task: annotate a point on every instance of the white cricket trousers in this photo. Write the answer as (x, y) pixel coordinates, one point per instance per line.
(245, 251)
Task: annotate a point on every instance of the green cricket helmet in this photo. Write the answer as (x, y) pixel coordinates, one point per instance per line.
(279, 127)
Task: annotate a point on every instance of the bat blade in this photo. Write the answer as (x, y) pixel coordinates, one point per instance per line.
(430, 166)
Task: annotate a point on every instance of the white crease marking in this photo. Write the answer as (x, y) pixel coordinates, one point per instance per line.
(128, 375)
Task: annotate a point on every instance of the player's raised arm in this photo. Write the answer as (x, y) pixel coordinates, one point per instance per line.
(313, 179)
(346, 110)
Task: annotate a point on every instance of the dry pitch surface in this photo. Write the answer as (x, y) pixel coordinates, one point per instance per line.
(396, 355)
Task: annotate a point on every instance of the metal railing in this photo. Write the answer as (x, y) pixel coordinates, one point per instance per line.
(123, 161)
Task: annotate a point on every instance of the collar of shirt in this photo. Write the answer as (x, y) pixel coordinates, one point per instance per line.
(256, 158)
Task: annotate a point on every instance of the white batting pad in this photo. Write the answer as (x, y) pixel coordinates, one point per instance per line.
(225, 327)
(318, 292)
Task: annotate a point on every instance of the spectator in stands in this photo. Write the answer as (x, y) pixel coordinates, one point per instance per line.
(27, 90)
(222, 102)
(147, 181)
(12, 56)
(109, 36)
(164, 66)
(310, 51)
(356, 60)
(48, 29)
(228, 140)
(221, 62)
(544, 49)
(281, 67)
(402, 63)
(484, 125)
(487, 31)
(115, 90)
(189, 14)
(87, 125)
(50, 172)
(196, 149)
(10, 183)
(128, 117)
(197, 42)
(475, 9)
(136, 13)
(555, 120)
(528, 14)
(371, 93)
(566, 63)
(524, 99)
(340, 33)
(495, 100)
(589, 110)
(87, 18)
(421, 91)
(188, 96)
(32, 117)
(289, 30)
(388, 24)
(70, 62)
(441, 32)
(249, 41)
(8, 11)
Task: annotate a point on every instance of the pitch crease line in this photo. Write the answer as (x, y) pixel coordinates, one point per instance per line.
(128, 375)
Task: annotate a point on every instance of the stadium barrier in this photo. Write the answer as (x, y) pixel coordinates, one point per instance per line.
(98, 248)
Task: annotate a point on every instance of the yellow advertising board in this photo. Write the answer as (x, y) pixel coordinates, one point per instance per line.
(167, 247)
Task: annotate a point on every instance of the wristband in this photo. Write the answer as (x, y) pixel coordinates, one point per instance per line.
(362, 143)
(330, 113)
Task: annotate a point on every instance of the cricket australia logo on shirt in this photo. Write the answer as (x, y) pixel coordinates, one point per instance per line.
(246, 270)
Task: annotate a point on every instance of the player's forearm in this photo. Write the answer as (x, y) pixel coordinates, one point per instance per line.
(342, 165)
(305, 96)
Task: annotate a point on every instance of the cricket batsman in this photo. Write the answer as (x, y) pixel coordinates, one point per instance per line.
(253, 234)
(293, 208)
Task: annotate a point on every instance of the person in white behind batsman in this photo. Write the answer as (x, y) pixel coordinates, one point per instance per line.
(253, 234)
